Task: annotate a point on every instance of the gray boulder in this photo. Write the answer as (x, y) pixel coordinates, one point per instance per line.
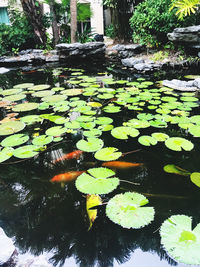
(197, 83)
(3, 70)
(6, 247)
(181, 85)
(131, 62)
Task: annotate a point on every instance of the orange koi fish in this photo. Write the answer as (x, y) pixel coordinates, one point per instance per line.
(72, 155)
(66, 177)
(28, 72)
(121, 164)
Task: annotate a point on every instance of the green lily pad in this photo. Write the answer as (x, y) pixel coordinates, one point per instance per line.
(195, 178)
(179, 144)
(11, 92)
(83, 118)
(25, 107)
(189, 98)
(103, 120)
(88, 125)
(91, 145)
(72, 92)
(6, 153)
(14, 98)
(179, 240)
(72, 125)
(137, 123)
(54, 98)
(92, 133)
(39, 87)
(124, 132)
(55, 131)
(158, 123)
(106, 128)
(147, 140)
(24, 152)
(194, 130)
(127, 210)
(195, 119)
(97, 181)
(15, 140)
(192, 77)
(145, 116)
(160, 137)
(108, 154)
(30, 119)
(112, 109)
(42, 140)
(11, 127)
(43, 93)
(171, 168)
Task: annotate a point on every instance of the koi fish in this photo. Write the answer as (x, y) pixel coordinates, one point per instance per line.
(121, 164)
(28, 72)
(92, 201)
(72, 155)
(66, 177)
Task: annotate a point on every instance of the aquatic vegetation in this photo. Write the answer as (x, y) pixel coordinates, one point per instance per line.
(107, 154)
(195, 178)
(123, 132)
(91, 145)
(11, 127)
(147, 140)
(180, 240)
(179, 143)
(171, 168)
(92, 201)
(127, 210)
(14, 140)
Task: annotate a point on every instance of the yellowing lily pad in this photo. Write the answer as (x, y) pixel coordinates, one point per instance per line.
(25, 107)
(6, 153)
(11, 127)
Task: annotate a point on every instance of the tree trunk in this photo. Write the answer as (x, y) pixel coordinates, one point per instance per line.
(33, 10)
(73, 12)
(54, 22)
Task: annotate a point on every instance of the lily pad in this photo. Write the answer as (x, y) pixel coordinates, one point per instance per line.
(127, 210)
(72, 92)
(6, 153)
(97, 181)
(124, 132)
(72, 125)
(92, 133)
(195, 178)
(39, 87)
(55, 131)
(103, 120)
(179, 144)
(30, 119)
(42, 140)
(25, 107)
(112, 109)
(91, 145)
(11, 127)
(147, 140)
(195, 130)
(108, 154)
(43, 93)
(54, 98)
(24, 152)
(14, 98)
(15, 140)
(171, 168)
(180, 240)
(160, 137)
(11, 92)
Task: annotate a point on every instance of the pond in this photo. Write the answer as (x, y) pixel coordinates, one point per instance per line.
(124, 144)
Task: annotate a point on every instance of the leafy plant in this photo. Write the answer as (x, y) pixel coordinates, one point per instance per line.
(185, 7)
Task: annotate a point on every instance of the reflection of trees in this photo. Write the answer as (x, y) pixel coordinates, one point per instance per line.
(48, 217)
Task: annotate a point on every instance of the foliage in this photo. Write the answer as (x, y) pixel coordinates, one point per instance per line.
(18, 35)
(110, 31)
(185, 7)
(152, 20)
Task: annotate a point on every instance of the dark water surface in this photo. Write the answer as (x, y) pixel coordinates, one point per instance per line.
(43, 217)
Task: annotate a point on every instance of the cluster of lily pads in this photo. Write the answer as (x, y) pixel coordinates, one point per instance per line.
(83, 106)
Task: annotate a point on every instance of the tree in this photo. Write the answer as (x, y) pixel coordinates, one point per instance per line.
(34, 12)
(73, 12)
(54, 21)
(185, 7)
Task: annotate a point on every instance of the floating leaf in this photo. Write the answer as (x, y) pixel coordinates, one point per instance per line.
(30, 119)
(137, 123)
(98, 181)
(42, 140)
(105, 128)
(127, 210)
(55, 131)
(23, 85)
(54, 98)
(43, 93)
(14, 98)
(25, 107)
(39, 87)
(124, 132)
(195, 178)
(10, 92)
(112, 109)
(158, 124)
(179, 240)
(171, 168)
(6, 153)
(107, 154)
(160, 137)
(95, 104)
(92, 201)
(147, 140)
(91, 145)
(92, 133)
(14, 140)
(179, 143)
(195, 130)
(145, 116)
(72, 125)
(24, 152)
(72, 92)
(11, 127)
(103, 120)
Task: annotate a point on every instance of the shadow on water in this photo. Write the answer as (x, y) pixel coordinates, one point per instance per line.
(43, 216)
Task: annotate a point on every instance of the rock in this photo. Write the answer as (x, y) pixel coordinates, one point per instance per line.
(4, 70)
(180, 85)
(7, 248)
(130, 62)
(197, 83)
(127, 51)
(39, 261)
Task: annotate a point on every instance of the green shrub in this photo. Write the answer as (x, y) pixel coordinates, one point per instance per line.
(110, 31)
(17, 36)
(152, 20)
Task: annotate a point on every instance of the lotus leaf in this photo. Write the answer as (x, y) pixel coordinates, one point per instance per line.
(14, 140)
(98, 181)
(108, 154)
(171, 168)
(105, 96)
(6, 153)
(91, 145)
(28, 151)
(42, 140)
(103, 120)
(179, 143)
(23, 85)
(61, 120)
(127, 210)
(14, 98)
(78, 103)
(123, 132)
(25, 107)
(179, 240)
(72, 125)
(160, 137)
(195, 119)
(56, 131)
(56, 89)
(39, 87)
(11, 127)
(147, 140)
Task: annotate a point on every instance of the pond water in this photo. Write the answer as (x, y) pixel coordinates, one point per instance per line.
(50, 217)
